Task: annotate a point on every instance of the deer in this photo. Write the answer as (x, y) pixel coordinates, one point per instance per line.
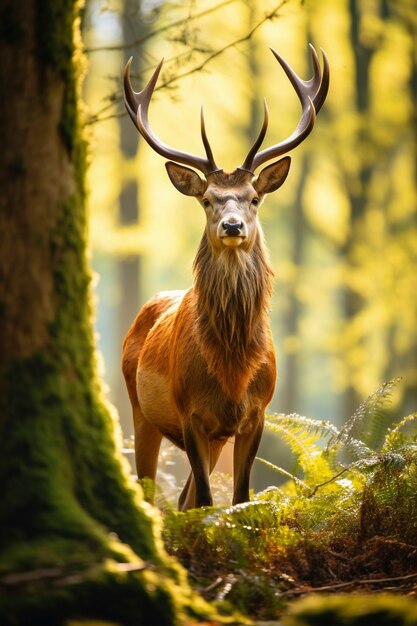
(200, 364)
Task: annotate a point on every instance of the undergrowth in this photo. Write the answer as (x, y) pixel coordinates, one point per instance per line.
(346, 518)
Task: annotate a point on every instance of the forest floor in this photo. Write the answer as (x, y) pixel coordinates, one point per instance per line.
(375, 566)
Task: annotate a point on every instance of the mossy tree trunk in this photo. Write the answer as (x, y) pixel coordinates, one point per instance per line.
(75, 538)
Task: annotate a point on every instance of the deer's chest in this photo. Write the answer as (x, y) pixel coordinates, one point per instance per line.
(196, 392)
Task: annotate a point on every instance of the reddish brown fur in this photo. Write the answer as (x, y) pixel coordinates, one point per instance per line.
(200, 365)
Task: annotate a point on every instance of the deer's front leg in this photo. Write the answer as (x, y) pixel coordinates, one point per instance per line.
(246, 446)
(197, 447)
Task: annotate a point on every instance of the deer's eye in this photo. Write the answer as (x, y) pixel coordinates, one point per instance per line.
(206, 203)
(255, 201)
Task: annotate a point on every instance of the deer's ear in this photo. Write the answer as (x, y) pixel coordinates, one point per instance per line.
(272, 177)
(185, 180)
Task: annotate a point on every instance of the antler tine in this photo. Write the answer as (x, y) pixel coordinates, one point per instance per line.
(133, 99)
(206, 143)
(312, 94)
(137, 105)
(252, 152)
(324, 87)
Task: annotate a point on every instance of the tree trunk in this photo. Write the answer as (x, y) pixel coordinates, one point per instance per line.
(75, 538)
(291, 369)
(362, 55)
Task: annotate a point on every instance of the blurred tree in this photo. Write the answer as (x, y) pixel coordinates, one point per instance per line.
(75, 538)
(363, 50)
(365, 165)
(377, 227)
(133, 28)
(343, 231)
(291, 369)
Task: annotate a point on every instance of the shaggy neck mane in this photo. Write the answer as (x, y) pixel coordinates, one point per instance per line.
(233, 290)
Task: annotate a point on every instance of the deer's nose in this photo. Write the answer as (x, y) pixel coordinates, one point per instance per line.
(232, 229)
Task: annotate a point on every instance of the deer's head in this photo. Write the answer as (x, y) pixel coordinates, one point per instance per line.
(231, 200)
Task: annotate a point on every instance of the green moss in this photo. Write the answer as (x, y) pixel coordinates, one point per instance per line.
(97, 592)
(353, 610)
(64, 499)
(57, 49)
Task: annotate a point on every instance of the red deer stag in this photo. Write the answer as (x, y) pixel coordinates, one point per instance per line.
(200, 364)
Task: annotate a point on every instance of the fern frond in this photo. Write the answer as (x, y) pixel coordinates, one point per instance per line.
(304, 436)
(348, 450)
(302, 443)
(395, 437)
(369, 413)
(321, 428)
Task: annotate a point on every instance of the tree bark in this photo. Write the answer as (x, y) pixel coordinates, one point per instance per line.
(75, 538)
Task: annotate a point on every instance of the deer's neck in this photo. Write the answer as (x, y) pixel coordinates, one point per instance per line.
(233, 291)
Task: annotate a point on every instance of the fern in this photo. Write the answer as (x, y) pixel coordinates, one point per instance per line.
(302, 435)
(389, 502)
(367, 418)
(321, 428)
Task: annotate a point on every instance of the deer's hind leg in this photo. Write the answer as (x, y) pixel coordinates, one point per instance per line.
(147, 443)
(147, 437)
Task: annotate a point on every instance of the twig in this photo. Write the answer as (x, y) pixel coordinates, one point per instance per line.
(358, 581)
(326, 482)
(198, 68)
(27, 577)
(269, 16)
(59, 575)
(213, 585)
(158, 31)
(281, 470)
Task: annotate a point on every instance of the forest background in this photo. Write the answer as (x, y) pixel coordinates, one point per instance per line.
(342, 232)
(77, 541)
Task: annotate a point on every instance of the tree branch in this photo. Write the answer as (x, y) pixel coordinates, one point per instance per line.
(356, 581)
(326, 482)
(169, 82)
(158, 31)
(268, 17)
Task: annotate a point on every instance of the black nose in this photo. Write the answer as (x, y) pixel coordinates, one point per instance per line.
(232, 228)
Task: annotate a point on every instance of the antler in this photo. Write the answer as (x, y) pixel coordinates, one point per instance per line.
(137, 105)
(312, 94)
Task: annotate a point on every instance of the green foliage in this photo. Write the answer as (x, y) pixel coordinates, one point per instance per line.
(378, 491)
